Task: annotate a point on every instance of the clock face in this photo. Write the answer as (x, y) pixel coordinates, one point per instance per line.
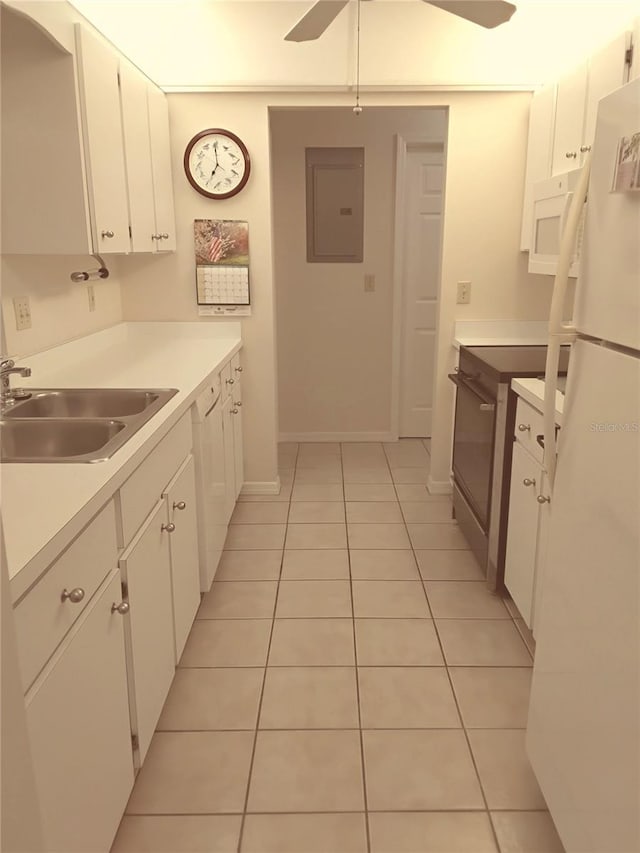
(217, 163)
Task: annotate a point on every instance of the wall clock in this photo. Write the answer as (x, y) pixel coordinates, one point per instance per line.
(217, 163)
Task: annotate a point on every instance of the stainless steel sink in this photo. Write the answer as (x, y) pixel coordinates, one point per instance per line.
(88, 402)
(76, 424)
(57, 440)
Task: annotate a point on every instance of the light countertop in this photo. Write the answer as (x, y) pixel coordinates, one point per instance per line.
(532, 390)
(491, 333)
(44, 506)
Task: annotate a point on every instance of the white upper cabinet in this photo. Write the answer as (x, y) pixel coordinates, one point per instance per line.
(569, 124)
(539, 151)
(104, 152)
(608, 70)
(135, 126)
(85, 143)
(161, 167)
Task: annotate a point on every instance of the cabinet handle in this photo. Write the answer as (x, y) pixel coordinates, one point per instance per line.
(156, 236)
(238, 369)
(524, 427)
(230, 381)
(74, 596)
(164, 236)
(168, 527)
(108, 233)
(180, 505)
(122, 608)
(487, 407)
(571, 155)
(234, 411)
(528, 482)
(543, 499)
(585, 148)
(237, 403)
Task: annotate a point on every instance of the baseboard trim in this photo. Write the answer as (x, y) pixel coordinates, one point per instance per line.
(270, 487)
(336, 436)
(439, 487)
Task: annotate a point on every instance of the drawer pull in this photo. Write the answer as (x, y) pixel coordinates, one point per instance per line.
(108, 234)
(238, 369)
(180, 505)
(164, 236)
(76, 595)
(168, 527)
(234, 411)
(571, 155)
(585, 148)
(230, 381)
(237, 402)
(524, 427)
(122, 608)
(528, 482)
(543, 499)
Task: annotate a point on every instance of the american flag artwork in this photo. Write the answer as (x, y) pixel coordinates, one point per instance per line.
(216, 249)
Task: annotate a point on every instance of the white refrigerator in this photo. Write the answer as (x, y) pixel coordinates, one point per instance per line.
(583, 734)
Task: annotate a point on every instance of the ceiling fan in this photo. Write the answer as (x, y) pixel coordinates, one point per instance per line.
(486, 13)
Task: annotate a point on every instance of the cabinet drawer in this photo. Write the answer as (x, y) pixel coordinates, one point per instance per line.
(145, 486)
(529, 425)
(42, 616)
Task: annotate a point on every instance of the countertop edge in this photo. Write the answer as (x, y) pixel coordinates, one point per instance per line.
(532, 390)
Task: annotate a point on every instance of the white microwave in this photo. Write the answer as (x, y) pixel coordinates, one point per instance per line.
(551, 202)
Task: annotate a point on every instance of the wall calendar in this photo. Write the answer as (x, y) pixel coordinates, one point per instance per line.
(222, 266)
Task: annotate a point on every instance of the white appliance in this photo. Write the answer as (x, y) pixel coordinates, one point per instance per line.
(208, 451)
(551, 203)
(583, 734)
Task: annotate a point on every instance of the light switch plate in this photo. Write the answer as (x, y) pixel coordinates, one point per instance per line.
(464, 293)
(23, 312)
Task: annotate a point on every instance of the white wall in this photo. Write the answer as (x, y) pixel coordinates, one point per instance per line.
(226, 43)
(334, 340)
(59, 308)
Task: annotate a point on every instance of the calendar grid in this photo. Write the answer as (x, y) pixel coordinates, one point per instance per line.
(221, 284)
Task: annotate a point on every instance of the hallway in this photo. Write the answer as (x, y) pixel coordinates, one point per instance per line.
(349, 685)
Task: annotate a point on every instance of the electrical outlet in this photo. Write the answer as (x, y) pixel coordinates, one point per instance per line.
(369, 283)
(91, 295)
(23, 312)
(464, 293)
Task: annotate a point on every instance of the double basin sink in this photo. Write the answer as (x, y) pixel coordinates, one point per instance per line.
(76, 424)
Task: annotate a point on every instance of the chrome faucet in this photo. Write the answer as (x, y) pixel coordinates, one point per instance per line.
(9, 395)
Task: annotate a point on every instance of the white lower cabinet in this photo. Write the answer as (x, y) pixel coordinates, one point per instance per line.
(180, 499)
(146, 573)
(228, 430)
(78, 722)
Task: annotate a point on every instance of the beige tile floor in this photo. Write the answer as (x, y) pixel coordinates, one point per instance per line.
(349, 684)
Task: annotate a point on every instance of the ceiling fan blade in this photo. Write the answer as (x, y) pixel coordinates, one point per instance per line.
(487, 13)
(316, 20)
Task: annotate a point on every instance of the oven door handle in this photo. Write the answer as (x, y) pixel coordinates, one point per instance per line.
(486, 404)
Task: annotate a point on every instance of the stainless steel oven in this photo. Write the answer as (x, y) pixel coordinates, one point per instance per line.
(482, 442)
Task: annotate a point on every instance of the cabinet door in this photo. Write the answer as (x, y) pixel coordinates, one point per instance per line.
(161, 164)
(607, 71)
(539, 151)
(544, 520)
(146, 571)
(570, 106)
(228, 430)
(104, 149)
(522, 531)
(180, 496)
(78, 721)
(135, 125)
(238, 446)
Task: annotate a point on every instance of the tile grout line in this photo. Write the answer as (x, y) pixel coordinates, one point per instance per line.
(357, 679)
(264, 680)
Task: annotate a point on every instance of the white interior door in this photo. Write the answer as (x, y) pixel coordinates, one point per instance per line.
(423, 180)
